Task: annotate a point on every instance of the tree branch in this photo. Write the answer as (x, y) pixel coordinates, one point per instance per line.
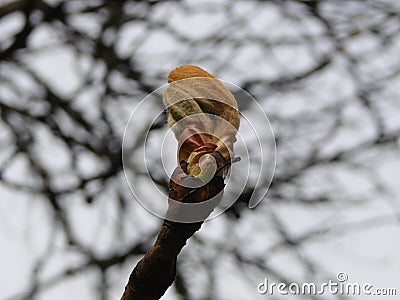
(156, 271)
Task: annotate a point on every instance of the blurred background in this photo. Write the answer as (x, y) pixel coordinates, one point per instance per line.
(327, 73)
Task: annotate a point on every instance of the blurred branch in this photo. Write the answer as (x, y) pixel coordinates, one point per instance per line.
(13, 6)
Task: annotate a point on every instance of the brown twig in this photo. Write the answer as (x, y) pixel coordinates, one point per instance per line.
(156, 271)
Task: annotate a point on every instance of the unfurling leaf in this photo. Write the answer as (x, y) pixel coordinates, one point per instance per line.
(203, 115)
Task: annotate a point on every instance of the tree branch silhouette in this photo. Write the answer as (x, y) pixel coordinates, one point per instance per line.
(156, 271)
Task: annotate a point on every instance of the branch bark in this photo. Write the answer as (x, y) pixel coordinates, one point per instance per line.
(156, 271)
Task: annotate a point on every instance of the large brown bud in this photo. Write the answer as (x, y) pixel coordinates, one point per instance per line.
(203, 115)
